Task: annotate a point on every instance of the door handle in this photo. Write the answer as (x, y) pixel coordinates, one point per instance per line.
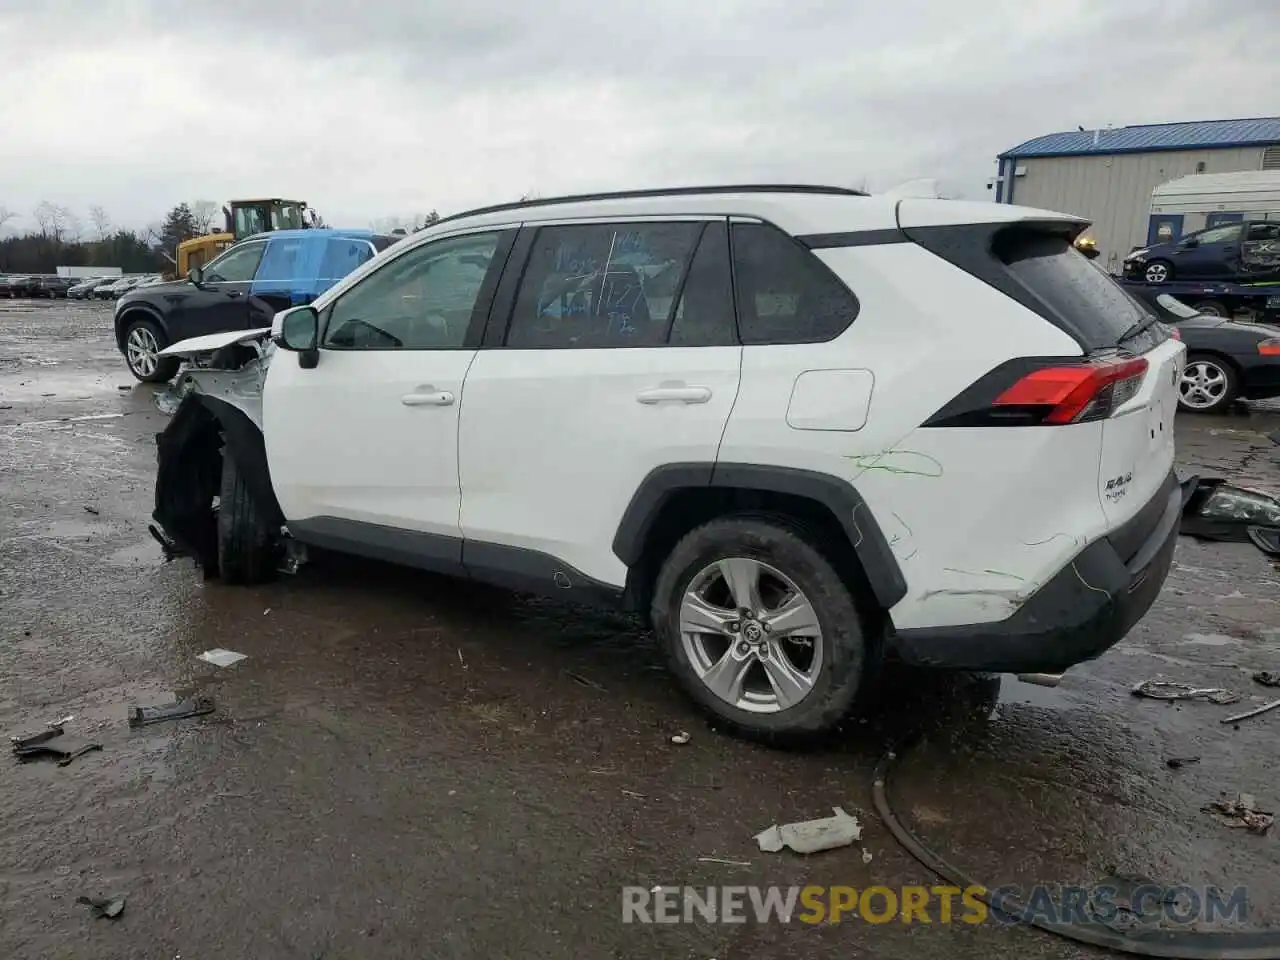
(678, 394)
(233, 293)
(428, 398)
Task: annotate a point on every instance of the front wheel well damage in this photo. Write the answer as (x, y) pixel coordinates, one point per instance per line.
(190, 453)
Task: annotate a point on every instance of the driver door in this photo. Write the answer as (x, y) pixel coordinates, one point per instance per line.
(363, 448)
(221, 302)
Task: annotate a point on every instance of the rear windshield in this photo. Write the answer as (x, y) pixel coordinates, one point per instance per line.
(1081, 295)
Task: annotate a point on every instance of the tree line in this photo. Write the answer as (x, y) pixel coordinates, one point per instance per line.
(60, 238)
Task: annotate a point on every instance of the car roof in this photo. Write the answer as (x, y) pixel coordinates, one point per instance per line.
(336, 232)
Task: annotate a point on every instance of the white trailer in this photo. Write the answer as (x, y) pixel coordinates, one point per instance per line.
(1206, 199)
(86, 273)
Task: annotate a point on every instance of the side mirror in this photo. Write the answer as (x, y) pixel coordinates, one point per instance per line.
(298, 330)
(196, 276)
(1189, 243)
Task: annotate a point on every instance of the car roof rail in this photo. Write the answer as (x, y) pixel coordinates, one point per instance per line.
(657, 192)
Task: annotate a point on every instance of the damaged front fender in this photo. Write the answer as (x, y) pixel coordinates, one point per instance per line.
(220, 416)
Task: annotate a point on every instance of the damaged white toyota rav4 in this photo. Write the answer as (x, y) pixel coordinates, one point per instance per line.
(804, 430)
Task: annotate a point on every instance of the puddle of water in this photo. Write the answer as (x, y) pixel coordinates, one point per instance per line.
(1013, 690)
(1210, 639)
(145, 553)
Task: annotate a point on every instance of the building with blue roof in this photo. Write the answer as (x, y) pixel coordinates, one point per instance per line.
(1107, 175)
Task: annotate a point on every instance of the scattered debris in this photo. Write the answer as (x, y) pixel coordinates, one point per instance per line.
(1242, 812)
(584, 681)
(1268, 678)
(124, 386)
(177, 710)
(110, 909)
(167, 546)
(62, 722)
(728, 863)
(681, 738)
(89, 509)
(460, 660)
(866, 855)
(1253, 713)
(1176, 763)
(266, 611)
(634, 795)
(167, 401)
(52, 743)
(1168, 690)
(811, 836)
(1266, 539)
(1217, 510)
(221, 658)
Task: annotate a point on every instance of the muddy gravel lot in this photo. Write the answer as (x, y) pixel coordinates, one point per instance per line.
(407, 766)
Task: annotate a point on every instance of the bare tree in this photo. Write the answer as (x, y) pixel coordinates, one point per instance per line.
(74, 231)
(101, 222)
(52, 219)
(6, 215)
(203, 212)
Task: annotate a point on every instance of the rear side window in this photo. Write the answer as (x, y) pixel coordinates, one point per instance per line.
(343, 256)
(1078, 294)
(281, 261)
(785, 294)
(602, 285)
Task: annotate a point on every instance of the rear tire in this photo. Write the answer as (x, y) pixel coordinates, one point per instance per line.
(1209, 384)
(246, 541)
(1212, 308)
(772, 688)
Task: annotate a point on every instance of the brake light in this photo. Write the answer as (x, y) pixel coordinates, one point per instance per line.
(1075, 393)
(1269, 348)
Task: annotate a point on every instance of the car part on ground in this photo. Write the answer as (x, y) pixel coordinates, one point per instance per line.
(785, 534)
(1147, 941)
(1218, 510)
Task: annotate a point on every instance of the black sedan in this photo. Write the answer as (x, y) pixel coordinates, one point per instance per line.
(1227, 360)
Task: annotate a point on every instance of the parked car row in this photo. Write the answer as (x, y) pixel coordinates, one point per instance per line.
(75, 288)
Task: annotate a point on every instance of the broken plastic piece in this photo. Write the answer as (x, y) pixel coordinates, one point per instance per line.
(681, 738)
(1168, 690)
(812, 836)
(1175, 763)
(1253, 713)
(102, 907)
(221, 658)
(1241, 811)
(1266, 539)
(51, 743)
(177, 710)
(1268, 678)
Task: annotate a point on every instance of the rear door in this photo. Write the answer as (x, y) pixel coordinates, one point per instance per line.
(615, 354)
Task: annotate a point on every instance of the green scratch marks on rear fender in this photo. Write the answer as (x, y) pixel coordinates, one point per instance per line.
(910, 463)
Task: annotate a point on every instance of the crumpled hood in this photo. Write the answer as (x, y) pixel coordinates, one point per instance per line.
(214, 341)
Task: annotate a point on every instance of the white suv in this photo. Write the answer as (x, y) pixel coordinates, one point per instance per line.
(803, 429)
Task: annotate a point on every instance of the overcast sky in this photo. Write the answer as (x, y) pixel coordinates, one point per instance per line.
(397, 106)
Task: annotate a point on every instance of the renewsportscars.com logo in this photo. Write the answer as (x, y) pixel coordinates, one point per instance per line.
(1146, 904)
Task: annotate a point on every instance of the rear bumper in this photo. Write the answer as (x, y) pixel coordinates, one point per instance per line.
(1077, 615)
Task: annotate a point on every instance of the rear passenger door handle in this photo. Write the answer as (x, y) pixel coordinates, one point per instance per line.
(677, 394)
(437, 398)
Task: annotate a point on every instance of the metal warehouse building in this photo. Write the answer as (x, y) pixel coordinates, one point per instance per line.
(1107, 175)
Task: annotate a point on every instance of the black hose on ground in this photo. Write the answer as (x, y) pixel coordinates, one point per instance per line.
(1183, 945)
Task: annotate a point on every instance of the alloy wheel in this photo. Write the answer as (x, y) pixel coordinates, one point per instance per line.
(1203, 384)
(1157, 273)
(751, 635)
(142, 351)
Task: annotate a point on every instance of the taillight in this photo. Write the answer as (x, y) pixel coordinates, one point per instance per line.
(1269, 348)
(1044, 391)
(1075, 393)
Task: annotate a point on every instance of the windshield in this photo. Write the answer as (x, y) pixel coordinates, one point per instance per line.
(1176, 306)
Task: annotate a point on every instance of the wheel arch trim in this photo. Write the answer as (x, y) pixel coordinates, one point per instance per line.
(129, 310)
(839, 496)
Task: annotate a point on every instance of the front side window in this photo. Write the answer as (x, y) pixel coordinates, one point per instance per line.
(1263, 231)
(421, 300)
(1225, 234)
(237, 265)
(601, 285)
(785, 294)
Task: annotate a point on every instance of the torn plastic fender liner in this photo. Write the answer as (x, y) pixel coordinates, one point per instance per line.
(189, 474)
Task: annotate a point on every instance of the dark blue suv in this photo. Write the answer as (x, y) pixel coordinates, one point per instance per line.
(1249, 250)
